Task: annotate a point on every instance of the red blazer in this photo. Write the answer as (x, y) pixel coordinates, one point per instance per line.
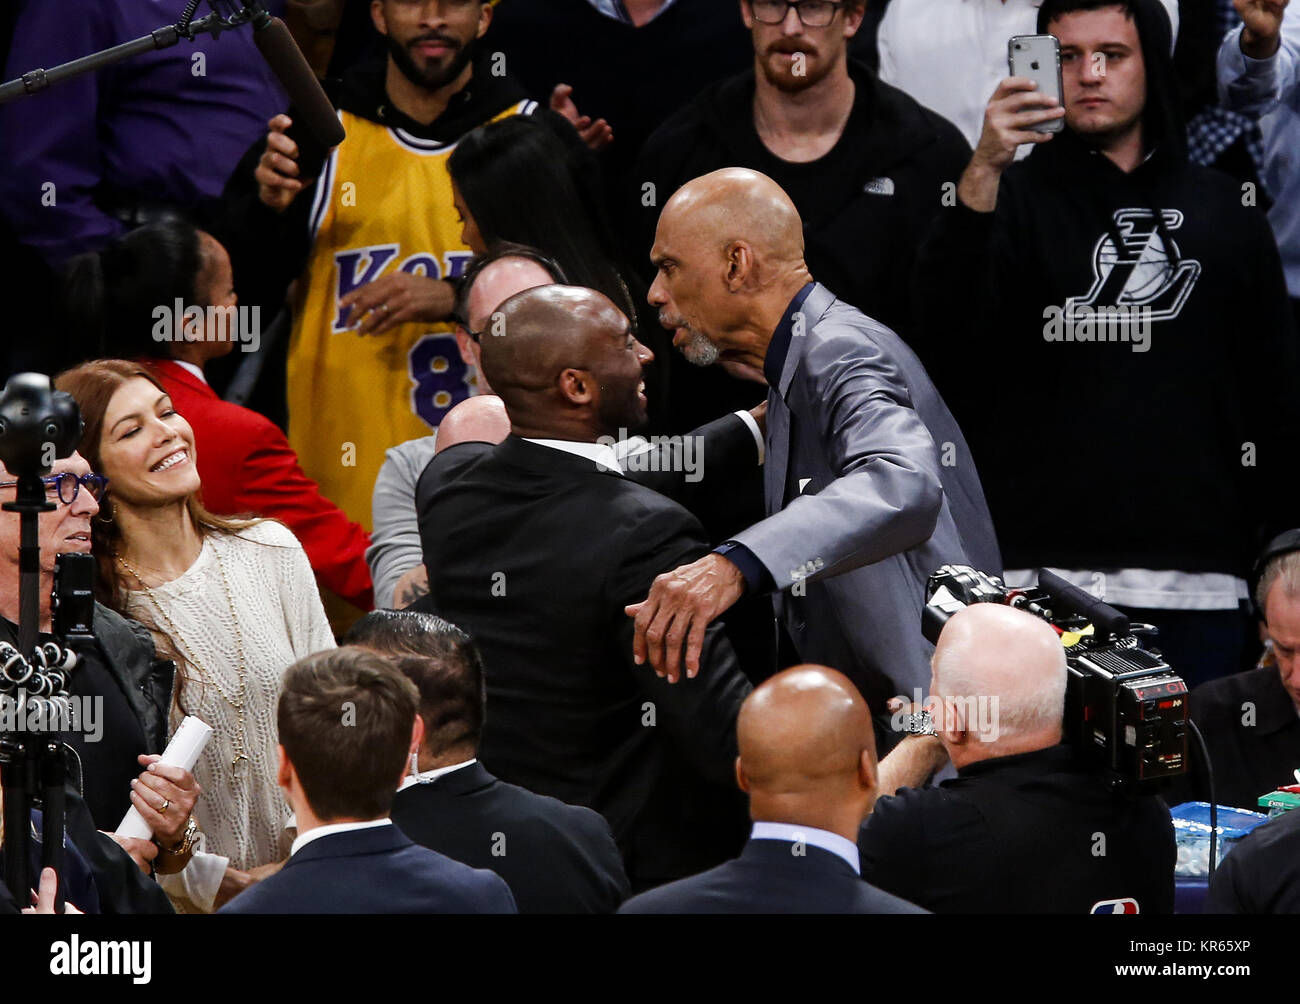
(248, 467)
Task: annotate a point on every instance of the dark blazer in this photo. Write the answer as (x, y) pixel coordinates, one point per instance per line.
(770, 877)
(1253, 736)
(535, 552)
(556, 858)
(376, 870)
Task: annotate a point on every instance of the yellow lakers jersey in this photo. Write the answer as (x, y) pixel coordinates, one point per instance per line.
(383, 204)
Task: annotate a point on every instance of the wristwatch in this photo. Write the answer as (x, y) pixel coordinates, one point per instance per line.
(186, 843)
(921, 723)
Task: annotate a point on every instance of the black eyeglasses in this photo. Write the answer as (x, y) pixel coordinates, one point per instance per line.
(813, 13)
(67, 485)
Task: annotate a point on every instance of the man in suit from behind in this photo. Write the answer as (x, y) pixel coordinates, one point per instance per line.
(869, 484)
(808, 763)
(348, 723)
(534, 546)
(556, 858)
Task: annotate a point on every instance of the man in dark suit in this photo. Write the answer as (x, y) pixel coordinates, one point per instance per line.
(348, 722)
(869, 484)
(556, 858)
(808, 763)
(534, 546)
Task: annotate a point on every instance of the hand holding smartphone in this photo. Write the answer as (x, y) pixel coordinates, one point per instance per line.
(1038, 57)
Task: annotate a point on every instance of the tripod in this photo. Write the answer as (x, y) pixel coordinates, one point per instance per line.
(31, 763)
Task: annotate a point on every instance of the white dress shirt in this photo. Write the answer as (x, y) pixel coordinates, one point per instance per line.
(600, 454)
(190, 367)
(612, 457)
(425, 776)
(303, 839)
(827, 841)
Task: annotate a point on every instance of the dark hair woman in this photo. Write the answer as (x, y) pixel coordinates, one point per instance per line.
(529, 179)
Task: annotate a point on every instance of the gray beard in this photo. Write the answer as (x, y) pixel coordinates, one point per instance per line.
(700, 351)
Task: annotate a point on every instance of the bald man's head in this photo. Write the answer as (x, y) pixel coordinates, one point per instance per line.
(564, 361)
(735, 204)
(488, 285)
(497, 282)
(724, 240)
(478, 419)
(807, 749)
(1001, 672)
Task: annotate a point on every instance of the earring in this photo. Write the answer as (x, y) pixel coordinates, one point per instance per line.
(415, 763)
(111, 515)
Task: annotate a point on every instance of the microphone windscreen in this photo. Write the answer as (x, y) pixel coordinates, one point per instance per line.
(290, 67)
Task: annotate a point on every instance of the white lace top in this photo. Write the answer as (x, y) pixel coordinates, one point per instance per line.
(277, 613)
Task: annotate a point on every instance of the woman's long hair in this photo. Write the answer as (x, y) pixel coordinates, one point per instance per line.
(529, 179)
(110, 296)
(93, 385)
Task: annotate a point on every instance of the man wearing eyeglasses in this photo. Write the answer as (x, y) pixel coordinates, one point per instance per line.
(119, 675)
(863, 163)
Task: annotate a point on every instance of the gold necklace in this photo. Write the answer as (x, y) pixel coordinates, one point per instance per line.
(241, 756)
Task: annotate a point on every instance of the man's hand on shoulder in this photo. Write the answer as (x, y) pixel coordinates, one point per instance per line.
(679, 608)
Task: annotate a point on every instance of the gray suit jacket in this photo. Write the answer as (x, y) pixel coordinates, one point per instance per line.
(870, 487)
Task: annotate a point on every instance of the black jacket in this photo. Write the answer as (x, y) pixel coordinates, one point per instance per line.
(372, 871)
(1253, 736)
(147, 681)
(1261, 874)
(772, 876)
(1033, 833)
(535, 552)
(556, 858)
(1171, 448)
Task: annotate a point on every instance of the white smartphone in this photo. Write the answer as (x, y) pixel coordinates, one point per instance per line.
(1038, 57)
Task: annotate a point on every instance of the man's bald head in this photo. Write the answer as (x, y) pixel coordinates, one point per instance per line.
(479, 419)
(997, 653)
(728, 253)
(499, 280)
(806, 740)
(733, 205)
(564, 360)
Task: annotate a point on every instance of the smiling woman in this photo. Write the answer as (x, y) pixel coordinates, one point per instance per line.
(232, 601)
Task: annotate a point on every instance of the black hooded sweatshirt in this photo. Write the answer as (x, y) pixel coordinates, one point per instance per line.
(1094, 454)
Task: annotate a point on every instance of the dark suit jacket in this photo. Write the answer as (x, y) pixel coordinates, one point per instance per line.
(770, 877)
(556, 858)
(376, 870)
(535, 552)
(1253, 735)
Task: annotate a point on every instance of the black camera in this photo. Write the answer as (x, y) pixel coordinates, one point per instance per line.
(1125, 708)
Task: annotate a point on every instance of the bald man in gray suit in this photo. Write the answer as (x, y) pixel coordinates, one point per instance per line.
(869, 484)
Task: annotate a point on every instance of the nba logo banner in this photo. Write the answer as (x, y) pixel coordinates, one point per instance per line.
(1115, 906)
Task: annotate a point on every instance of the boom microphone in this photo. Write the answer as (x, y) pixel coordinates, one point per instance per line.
(296, 77)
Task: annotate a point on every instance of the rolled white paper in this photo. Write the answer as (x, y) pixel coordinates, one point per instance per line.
(183, 751)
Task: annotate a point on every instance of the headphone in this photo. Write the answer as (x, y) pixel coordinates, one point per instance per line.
(1283, 543)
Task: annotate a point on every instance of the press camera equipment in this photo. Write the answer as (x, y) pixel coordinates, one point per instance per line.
(1125, 708)
(38, 425)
